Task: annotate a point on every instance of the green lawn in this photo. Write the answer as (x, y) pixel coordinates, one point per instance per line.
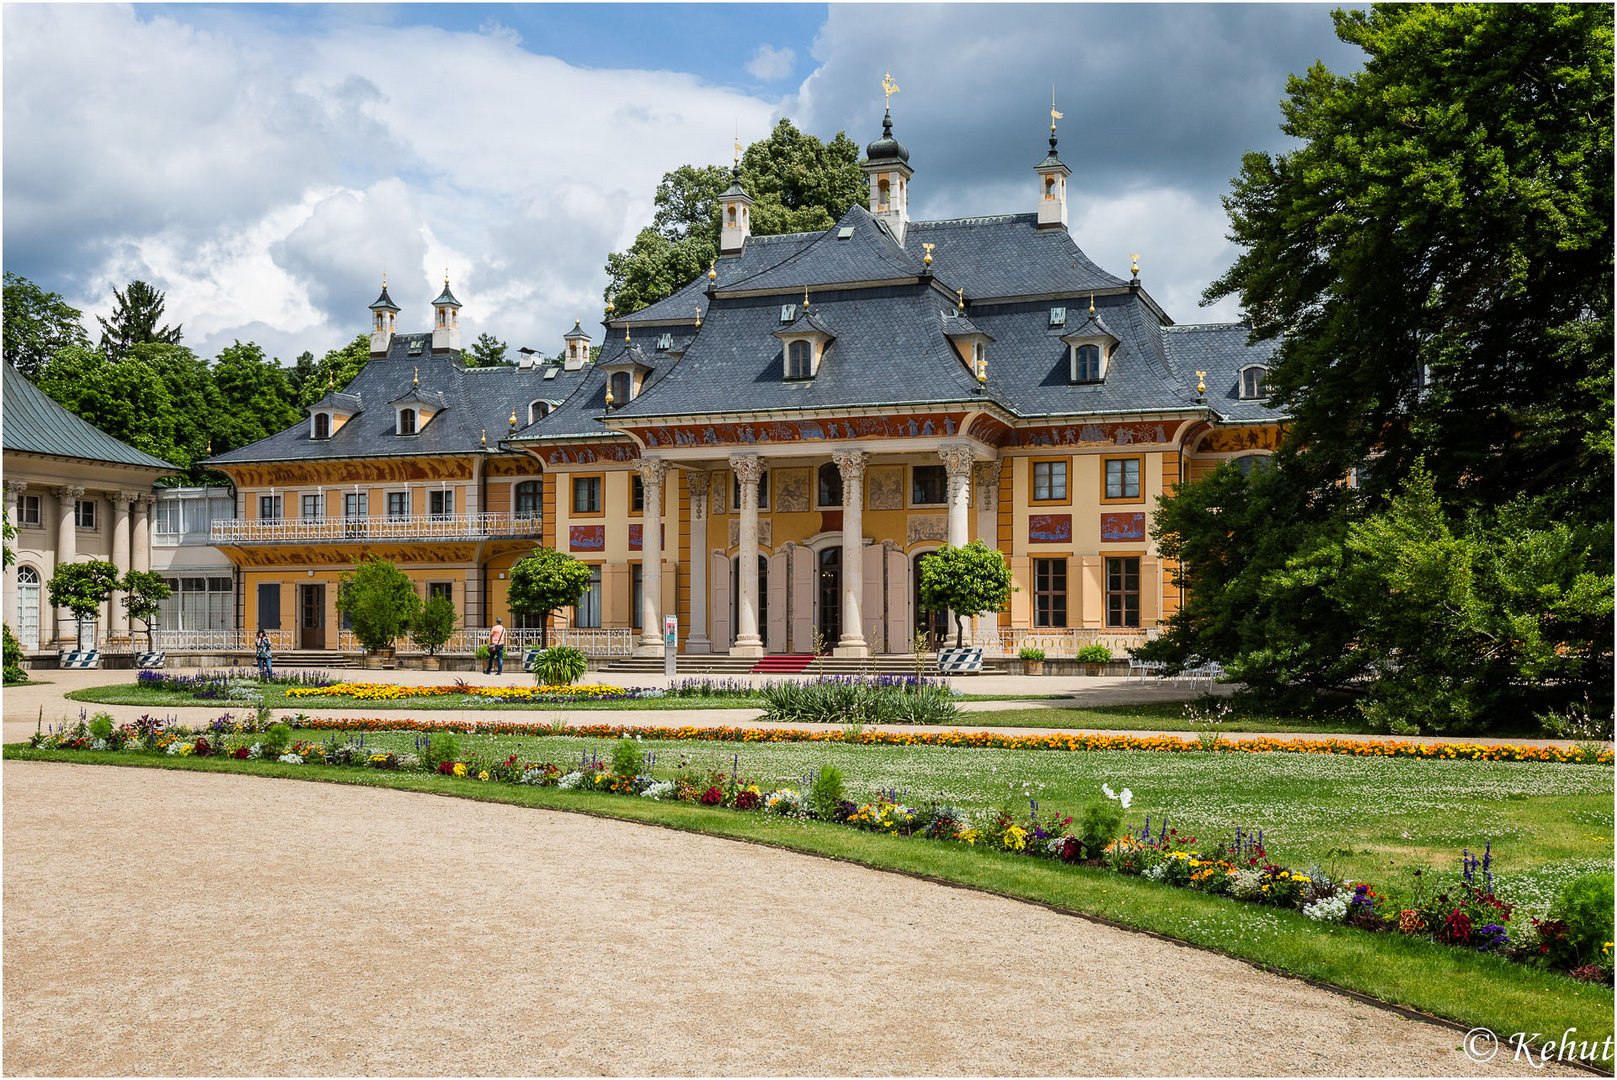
(1153, 716)
(1348, 812)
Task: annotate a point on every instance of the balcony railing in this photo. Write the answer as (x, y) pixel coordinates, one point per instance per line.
(403, 529)
(215, 640)
(613, 641)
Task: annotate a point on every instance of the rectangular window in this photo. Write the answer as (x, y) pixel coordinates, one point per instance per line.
(1123, 478)
(398, 504)
(586, 494)
(1123, 592)
(637, 495)
(528, 499)
(441, 503)
(269, 607)
(168, 517)
(84, 513)
(313, 510)
(763, 490)
(445, 589)
(1049, 592)
(929, 485)
(28, 510)
(208, 603)
(587, 613)
(356, 505)
(1049, 481)
(635, 593)
(269, 508)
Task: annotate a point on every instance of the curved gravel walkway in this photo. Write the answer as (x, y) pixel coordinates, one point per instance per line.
(189, 923)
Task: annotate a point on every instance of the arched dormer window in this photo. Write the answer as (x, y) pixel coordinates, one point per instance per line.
(1086, 364)
(322, 425)
(830, 484)
(621, 386)
(799, 360)
(538, 410)
(1252, 382)
(406, 421)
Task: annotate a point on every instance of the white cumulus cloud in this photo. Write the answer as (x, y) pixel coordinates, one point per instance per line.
(771, 64)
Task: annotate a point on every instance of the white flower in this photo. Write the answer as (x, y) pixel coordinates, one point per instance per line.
(290, 759)
(1331, 909)
(571, 780)
(1125, 798)
(662, 789)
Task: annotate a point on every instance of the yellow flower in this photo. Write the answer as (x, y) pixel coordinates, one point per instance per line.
(460, 770)
(483, 775)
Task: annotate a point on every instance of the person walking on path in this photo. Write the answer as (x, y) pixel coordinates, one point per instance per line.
(496, 649)
(266, 659)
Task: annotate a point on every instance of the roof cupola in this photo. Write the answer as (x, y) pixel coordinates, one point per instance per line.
(446, 320)
(888, 169)
(578, 347)
(384, 315)
(736, 206)
(1052, 173)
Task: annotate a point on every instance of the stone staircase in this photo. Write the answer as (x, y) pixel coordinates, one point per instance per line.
(310, 658)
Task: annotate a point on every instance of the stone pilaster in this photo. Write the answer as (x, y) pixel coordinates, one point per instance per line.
(851, 464)
(748, 469)
(697, 639)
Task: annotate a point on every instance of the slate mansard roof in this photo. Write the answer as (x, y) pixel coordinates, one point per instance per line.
(469, 401)
(893, 316)
(34, 424)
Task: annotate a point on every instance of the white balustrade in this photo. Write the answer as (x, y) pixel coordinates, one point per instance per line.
(429, 527)
(1057, 642)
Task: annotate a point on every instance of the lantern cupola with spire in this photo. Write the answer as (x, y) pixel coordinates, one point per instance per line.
(446, 321)
(577, 352)
(384, 317)
(887, 165)
(736, 206)
(1052, 173)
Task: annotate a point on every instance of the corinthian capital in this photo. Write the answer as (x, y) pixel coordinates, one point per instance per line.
(16, 486)
(851, 463)
(122, 499)
(748, 467)
(698, 482)
(958, 459)
(651, 470)
(988, 476)
(67, 492)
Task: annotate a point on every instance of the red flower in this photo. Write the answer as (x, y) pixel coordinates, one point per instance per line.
(712, 797)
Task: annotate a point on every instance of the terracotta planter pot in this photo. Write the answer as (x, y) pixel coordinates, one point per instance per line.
(1032, 667)
(430, 663)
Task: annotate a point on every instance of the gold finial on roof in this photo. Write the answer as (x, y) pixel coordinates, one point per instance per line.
(1201, 382)
(1092, 303)
(416, 381)
(483, 440)
(805, 300)
(1055, 114)
(888, 88)
(699, 316)
(738, 144)
(927, 260)
(210, 449)
(609, 393)
(626, 334)
(1134, 265)
(513, 419)
(446, 277)
(713, 270)
(331, 380)
(960, 299)
(384, 280)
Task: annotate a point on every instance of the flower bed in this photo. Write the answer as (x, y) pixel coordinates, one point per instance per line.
(362, 691)
(220, 685)
(993, 740)
(1463, 912)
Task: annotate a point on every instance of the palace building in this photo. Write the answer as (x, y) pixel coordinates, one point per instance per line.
(770, 453)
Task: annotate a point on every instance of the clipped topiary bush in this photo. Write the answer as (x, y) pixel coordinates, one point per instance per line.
(1094, 654)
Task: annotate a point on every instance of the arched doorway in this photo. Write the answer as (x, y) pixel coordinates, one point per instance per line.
(763, 599)
(932, 625)
(28, 607)
(828, 593)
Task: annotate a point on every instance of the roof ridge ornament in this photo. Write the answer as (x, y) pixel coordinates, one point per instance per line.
(960, 299)
(927, 259)
(415, 381)
(888, 89)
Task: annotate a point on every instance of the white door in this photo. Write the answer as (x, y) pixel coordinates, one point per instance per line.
(28, 607)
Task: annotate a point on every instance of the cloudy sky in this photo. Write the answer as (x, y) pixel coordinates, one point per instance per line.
(265, 164)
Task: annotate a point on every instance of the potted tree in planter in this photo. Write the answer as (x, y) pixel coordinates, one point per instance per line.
(968, 581)
(82, 587)
(144, 592)
(1094, 658)
(544, 581)
(432, 627)
(381, 603)
(1032, 660)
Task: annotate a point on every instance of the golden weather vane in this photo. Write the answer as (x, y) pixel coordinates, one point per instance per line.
(1055, 114)
(888, 88)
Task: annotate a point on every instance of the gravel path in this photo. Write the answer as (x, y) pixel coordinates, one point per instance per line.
(186, 923)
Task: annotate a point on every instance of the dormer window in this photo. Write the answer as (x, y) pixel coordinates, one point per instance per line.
(1252, 382)
(1086, 364)
(799, 360)
(803, 343)
(620, 385)
(406, 422)
(322, 425)
(538, 410)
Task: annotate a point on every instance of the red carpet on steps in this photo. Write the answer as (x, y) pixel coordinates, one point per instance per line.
(784, 664)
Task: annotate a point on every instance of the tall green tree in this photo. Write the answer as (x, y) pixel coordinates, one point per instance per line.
(1435, 259)
(968, 581)
(799, 183)
(380, 601)
(335, 370)
(127, 399)
(255, 397)
(137, 310)
(37, 323)
(486, 351)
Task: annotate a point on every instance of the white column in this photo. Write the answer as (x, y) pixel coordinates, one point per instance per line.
(141, 542)
(117, 619)
(988, 528)
(698, 640)
(748, 468)
(958, 460)
(652, 471)
(14, 490)
(851, 464)
(67, 550)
